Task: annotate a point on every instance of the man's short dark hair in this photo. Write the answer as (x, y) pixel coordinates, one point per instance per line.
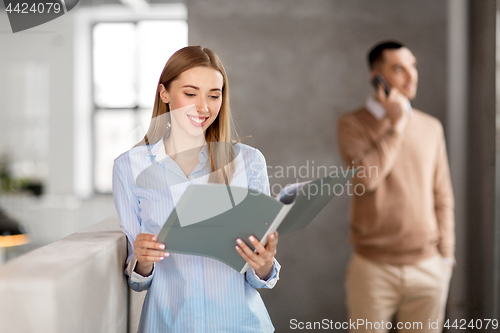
(375, 53)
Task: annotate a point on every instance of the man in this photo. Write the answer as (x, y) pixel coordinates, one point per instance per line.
(402, 227)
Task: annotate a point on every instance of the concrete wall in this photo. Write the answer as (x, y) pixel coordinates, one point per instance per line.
(73, 285)
(294, 67)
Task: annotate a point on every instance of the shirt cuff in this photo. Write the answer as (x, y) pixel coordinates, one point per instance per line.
(134, 276)
(255, 280)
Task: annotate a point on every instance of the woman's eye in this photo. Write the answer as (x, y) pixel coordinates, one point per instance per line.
(189, 95)
(214, 97)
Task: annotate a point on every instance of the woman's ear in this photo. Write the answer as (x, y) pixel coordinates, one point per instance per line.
(164, 94)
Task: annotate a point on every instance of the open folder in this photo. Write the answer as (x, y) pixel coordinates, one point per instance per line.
(208, 218)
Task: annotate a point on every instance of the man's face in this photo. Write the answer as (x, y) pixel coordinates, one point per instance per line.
(399, 68)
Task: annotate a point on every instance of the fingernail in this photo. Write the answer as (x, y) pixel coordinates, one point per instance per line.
(252, 238)
(239, 241)
(166, 254)
(162, 246)
(154, 238)
(161, 258)
(271, 236)
(237, 248)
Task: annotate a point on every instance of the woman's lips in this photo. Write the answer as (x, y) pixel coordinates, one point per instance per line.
(197, 121)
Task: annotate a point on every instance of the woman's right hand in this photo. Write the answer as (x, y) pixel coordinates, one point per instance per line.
(147, 251)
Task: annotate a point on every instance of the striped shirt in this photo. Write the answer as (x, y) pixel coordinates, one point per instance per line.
(187, 293)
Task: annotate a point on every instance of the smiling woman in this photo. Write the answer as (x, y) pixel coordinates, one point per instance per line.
(179, 86)
(190, 140)
(201, 88)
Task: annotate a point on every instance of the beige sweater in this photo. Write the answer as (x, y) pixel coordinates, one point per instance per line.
(406, 213)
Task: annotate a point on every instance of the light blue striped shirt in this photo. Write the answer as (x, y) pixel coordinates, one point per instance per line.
(187, 293)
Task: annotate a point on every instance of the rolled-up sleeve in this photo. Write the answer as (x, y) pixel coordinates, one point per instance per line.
(257, 282)
(136, 281)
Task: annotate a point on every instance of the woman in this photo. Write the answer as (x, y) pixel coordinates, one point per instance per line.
(190, 140)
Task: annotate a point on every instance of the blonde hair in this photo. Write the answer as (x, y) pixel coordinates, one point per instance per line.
(220, 135)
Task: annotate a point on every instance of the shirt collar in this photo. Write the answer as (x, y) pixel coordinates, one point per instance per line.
(158, 153)
(203, 154)
(377, 110)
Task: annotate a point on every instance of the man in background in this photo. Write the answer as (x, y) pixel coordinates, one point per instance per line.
(402, 227)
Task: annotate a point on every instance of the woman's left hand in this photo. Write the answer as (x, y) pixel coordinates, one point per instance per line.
(262, 260)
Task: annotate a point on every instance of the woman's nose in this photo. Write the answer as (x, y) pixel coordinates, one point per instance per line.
(201, 105)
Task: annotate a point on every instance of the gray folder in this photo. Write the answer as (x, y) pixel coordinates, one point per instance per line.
(208, 218)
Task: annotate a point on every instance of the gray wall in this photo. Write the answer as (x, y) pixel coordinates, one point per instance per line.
(294, 67)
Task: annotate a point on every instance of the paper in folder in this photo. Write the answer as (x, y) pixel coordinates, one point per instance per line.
(208, 218)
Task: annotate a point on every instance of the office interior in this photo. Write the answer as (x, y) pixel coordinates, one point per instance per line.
(294, 67)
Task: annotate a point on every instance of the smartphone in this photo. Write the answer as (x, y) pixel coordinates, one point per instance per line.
(379, 79)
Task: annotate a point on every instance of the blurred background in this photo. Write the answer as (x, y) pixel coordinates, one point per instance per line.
(78, 91)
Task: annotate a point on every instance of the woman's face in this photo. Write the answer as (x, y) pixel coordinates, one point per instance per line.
(195, 98)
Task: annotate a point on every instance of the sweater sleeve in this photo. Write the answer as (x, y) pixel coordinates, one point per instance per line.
(358, 149)
(444, 202)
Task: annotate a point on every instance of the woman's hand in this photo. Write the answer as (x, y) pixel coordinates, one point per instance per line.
(147, 251)
(262, 260)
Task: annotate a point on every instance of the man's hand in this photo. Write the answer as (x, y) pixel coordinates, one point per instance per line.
(395, 104)
(262, 260)
(147, 251)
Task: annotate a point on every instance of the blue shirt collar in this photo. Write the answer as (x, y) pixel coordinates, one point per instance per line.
(158, 153)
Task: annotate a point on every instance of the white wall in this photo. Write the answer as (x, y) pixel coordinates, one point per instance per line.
(36, 99)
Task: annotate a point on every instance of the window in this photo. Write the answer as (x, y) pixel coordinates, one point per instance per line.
(127, 59)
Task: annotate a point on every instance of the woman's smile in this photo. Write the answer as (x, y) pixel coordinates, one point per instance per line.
(197, 120)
